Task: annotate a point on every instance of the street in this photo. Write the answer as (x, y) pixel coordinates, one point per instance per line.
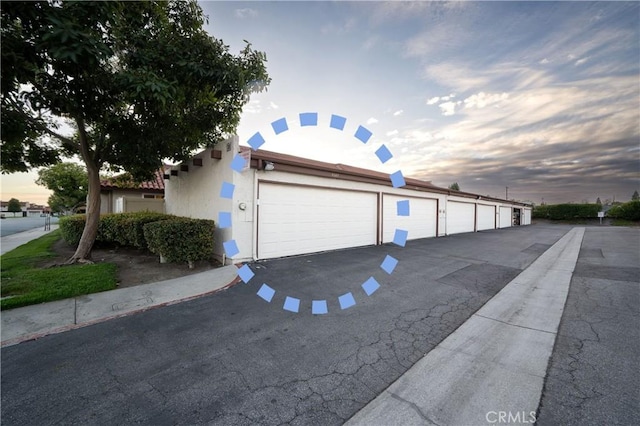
(10, 225)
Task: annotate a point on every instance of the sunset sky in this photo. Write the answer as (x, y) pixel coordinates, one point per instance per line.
(541, 97)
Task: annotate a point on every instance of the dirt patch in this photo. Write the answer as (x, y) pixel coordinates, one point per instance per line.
(135, 267)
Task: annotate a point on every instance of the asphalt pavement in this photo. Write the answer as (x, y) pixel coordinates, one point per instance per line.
(12, 225)
(593, 376)
(234, 358)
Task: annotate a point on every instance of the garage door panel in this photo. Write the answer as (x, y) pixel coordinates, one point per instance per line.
(460, 217)
(486, 217)
(505, 217)
(421, 222)
(296, 220)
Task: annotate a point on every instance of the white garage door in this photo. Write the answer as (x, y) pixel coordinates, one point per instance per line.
(486, 217)
(296, 220)
(505, 217)
(421, 222)
(527, 217)
(460, 217)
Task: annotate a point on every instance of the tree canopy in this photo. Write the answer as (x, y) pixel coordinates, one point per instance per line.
(69, 184)
(138, 82)
(454, 186)
(635, 196)
(13, 206)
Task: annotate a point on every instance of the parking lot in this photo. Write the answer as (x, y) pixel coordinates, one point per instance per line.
(232, 358)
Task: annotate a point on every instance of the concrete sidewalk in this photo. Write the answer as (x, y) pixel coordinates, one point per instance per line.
(13, 241)
(32, 322)
(492, 368)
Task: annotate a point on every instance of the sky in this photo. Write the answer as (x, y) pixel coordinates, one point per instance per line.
(539, 97)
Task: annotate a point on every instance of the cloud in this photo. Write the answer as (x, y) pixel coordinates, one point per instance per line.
(345, 27)
(448, 108)
(387, 12)
(482, 99)
(567, 141)
(253, 107)
(581, 61)
(372, 120)
(246, 13)
(397, 113)
(272, 105)
(433, 101)
(371, 42)
(392, 132)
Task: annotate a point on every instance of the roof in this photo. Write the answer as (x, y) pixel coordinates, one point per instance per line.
(155, 184)
(293, 164)
(285, 162)
(342, 169)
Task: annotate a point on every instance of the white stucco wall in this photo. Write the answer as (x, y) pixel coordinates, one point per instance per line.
(196, 194)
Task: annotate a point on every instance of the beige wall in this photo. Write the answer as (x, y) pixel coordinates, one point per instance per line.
(108, 200)
(196, 194)
(133, 204)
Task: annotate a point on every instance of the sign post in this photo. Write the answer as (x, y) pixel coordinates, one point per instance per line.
(600, 216)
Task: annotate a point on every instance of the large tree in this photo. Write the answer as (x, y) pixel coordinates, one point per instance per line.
(13, 206)
(138, 82)
(69, 184)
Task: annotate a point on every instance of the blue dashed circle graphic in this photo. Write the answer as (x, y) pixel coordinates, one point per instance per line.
(370, 286)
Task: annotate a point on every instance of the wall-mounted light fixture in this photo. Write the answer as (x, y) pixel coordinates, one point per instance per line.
(242, 206)
(268, 166)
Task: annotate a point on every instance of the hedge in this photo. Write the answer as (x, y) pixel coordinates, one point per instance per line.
(181, 239)
(628, 211)
(126, 229)
(566, 211)
(71, 228)
(122, 228)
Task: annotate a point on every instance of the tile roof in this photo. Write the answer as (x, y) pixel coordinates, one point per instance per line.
(157, 183)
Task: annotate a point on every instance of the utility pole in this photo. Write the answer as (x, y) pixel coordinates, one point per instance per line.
(506, 192)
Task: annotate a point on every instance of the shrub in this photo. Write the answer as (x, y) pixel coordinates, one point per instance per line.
(181, 239)
(126, 229)
(627, 211)
(71, 228)
(566, 211)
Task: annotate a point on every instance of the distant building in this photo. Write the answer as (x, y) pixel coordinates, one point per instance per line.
(119, 196)
(28, 209)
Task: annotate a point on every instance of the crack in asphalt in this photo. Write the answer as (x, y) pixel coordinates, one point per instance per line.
(414, 407)
(412, 334)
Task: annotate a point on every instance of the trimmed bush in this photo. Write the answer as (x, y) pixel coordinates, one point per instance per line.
(181, 239)
(71, 228)
(627, 211)
(125, 229)
(566, 211)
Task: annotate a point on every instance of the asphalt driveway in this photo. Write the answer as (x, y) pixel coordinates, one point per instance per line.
(594, 373)
(233, 358)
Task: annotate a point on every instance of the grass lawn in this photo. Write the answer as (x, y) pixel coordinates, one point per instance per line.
(21, 278)
(624, 222)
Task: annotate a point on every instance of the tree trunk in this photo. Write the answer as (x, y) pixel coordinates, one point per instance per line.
(90, 232)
